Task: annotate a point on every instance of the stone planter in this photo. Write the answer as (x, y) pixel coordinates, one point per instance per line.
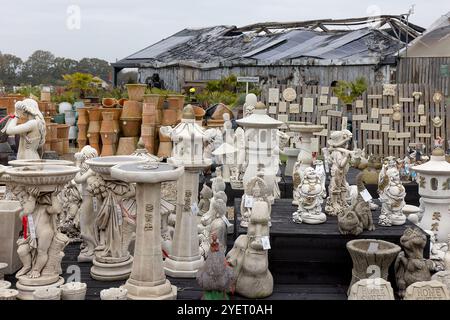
(371, 256)
(136, 91)
(8, 294)
(47, 294)
(130, 127)
(127, 145)
(73, 291)
(132, 109)
(109, 102)
(114, 294)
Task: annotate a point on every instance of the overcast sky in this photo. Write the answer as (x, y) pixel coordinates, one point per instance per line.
(111, 29)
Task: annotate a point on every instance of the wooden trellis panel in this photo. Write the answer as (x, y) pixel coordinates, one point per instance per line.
(392, 138)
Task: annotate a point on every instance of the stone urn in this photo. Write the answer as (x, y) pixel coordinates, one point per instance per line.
(8, 294)
(73, 291)
(51, 293)
(136, 91)
(114, 294)
(5, 284)
(371, 258)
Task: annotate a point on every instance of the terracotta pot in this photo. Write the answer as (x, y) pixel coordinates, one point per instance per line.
(58, 147)
(147, 130)
(94, 141)
(47, 146)
(163, 137)
(94, 114)
(165, 146)
(176, 102)
(43, 106)
(109, 102)
(9, 101)
(127, 145)
(154, 98)
(66, 146)
(169, 117)
(132, 109)
(122, 101)
(82, 131)
(94, 126)
(54, 132)
(130, 126)
(81, 143)
(108, 137)
(108, 150)
(149, 119)
(46, 96)
(148, 108)
(83, 116)
(199, 112)
(62, 131)
(211, 123)
(108, 122)
(136, 91)
(116, 116)
(149, 143)
(221, 109)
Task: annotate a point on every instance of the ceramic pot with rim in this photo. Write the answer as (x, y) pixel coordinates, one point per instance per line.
(165, 146)
(130, 127)
(82, 132)
(94, 141)
(169, 117)
(62, 131)
(136, 91)
(132, 109)
(109, 102)
(199, 112)
(83, 116)
(149, 119)
(94, 114)
(148, 108)
(122, 101)
(107, 122)
(154, 98)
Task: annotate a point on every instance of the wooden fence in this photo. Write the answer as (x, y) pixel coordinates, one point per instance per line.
(371, 116)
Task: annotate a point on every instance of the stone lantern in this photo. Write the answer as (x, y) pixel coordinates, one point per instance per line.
(188, 139)
(433, 178)
(261, 143)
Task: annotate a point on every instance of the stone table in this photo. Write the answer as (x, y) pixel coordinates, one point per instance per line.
(147, 280)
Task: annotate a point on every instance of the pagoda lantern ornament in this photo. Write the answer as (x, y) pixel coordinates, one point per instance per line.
(433, 178)
(188, 145)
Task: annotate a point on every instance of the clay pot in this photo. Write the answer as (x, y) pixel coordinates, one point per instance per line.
(136, 91)
(47, 294)
(132, 109)
(130, 126)
(83, 116)
(221, 109)
(73, 291)
(43, 107)
(154, 98)
(127, 145)
(108, 150)
(8, 294)
(94, 126)
(108, 122)
(109, 102)
(149, 143)
(58, 147)
(94, 141)
(94, 114)
(46, 96)
(9, 101)
(165, 146)
(149, 119)
(199, 112)
(62, 131)
(81, 143)
(108, 137)
(211, 123)
(69, 117)
(169, 117)
(122, 101)
(66, 146)
(48, 119)
(116, 116)
(82, 132)
(176, 102)
(148, 108)
(54, 132)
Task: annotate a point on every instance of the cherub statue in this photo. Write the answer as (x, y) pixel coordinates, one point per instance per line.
(388, 163)
(214, 222)
(311, 194)
(32, 132)
(410, 265)
(89, 232)
(392, 199)
(255, 189)
(69, 218)
(205, 197)
(41, 251)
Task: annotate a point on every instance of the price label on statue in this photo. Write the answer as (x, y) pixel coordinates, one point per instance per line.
(32, 227)
(119, 213)
(365, 195)
(194, 209)
(248, 201)
(95, 204)
(265, 242)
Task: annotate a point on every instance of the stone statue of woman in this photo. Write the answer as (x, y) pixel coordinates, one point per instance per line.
(32, 132)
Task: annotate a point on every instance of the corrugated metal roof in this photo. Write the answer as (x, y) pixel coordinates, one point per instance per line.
(218, 45)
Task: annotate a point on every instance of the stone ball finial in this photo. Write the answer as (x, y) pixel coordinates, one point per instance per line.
(188, 112)
(251, 99)
(439, 152)
(260, 106)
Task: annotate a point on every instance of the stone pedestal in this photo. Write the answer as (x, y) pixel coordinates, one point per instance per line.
(26, 291)
(292, 154)
(185, 260)
(10, 226)
(147, 280)
(111, 270)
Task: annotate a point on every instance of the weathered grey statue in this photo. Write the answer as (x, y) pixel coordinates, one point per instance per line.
(32, 132)
(205, 198)
(410, 265)
(339, 158)
(392, 199)
(69, 218)
(358, 217)
(89, 232)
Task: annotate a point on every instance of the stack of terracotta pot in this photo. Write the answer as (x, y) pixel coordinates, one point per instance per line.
(9, 101)
(50, 127)
(60, 140)
(176, 103)
(149, 115)
(93, 132)
(83, 121)
(171, 115)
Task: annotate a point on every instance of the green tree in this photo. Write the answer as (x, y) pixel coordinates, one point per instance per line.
(97, 67)
(10, 67)
(81, 83)
(63, 66)
(38, 69)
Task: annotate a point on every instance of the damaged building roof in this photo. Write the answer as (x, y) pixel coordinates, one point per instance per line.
(228, 45)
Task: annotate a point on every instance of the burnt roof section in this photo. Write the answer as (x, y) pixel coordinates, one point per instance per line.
(271, 44)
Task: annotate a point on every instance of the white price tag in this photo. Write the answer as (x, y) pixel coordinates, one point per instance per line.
(265, 242)
(373, 247)
(248, 201)
(194, 208)
(31, 227)
(119, 213)
(365, 195)
(94, 204)
(227, 222)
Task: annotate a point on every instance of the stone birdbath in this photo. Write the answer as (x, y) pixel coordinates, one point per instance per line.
(40, 162)
(147, 279)
(36, 188)
(112, 259)
(371, 258)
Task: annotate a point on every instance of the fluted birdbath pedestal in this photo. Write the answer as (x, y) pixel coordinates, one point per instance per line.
(147, 279)
(106, 267)
(292, 154)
